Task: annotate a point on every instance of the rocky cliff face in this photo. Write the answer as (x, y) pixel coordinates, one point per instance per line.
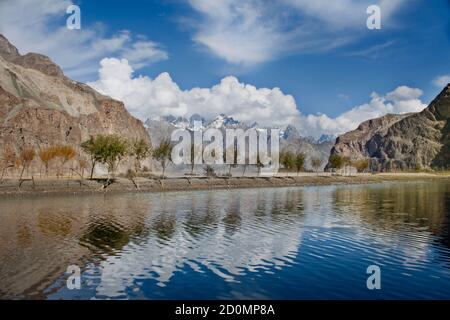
(39, 106)
(406, 142)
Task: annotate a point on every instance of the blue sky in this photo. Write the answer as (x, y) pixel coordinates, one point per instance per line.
(319, 53)
(418, 51)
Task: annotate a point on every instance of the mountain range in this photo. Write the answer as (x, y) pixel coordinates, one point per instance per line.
(290, 138)
(40, 106)
(222, 121)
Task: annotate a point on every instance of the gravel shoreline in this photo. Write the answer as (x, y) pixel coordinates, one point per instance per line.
(120, 185)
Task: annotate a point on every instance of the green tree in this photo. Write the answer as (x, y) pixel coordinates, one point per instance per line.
(299, 162)
(113, 151)
(106, 149)
(93, 148)
(163, 154)
(140, 150)
(337, 161)
(287, 160)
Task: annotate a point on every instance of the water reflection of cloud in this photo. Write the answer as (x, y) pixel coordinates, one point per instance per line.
(124, 240)
(236, 241)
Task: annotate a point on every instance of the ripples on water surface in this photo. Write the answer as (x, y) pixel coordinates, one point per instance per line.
(286, 243)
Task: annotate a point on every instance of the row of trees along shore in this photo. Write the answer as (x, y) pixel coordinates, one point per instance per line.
(291, 161)
(338, 162)
(65, 160)
(110, 150)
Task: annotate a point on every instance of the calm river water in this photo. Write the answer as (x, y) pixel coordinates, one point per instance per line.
(284, 243)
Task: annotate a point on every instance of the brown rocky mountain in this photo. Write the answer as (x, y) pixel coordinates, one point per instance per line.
(406, 142)
(40, 106)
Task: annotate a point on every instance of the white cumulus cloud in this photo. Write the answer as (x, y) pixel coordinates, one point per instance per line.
(150, 98)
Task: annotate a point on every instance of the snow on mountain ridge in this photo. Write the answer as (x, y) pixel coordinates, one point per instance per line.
(222, 121)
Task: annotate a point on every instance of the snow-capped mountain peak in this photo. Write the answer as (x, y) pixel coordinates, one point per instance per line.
(223, 120)
(290, 132)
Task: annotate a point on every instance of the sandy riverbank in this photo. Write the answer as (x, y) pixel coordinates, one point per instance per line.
(72, 186)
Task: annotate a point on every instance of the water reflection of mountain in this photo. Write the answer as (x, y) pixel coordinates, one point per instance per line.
(40, 237)
(409, 215)
(443, 231)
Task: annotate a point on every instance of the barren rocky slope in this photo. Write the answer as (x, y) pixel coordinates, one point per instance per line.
(406, 142)
(39, 106)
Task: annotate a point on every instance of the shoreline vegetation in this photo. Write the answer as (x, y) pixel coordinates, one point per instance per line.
(62, 170)
(49, 186)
